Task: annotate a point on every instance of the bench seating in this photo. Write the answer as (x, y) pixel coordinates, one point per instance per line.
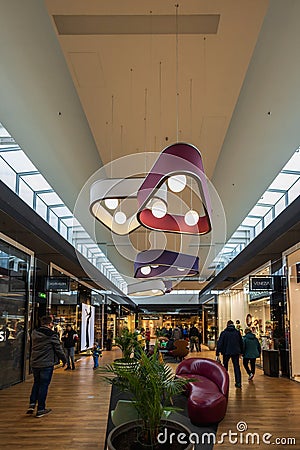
(208, 396)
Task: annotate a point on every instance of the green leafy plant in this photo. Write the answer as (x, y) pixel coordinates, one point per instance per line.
(127, 342)
(152, 385)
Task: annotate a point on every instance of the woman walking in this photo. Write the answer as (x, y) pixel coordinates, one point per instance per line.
(251, 351)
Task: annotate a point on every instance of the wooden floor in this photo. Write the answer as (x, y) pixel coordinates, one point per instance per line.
(79, 400)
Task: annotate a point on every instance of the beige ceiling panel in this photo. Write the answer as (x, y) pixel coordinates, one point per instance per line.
(87, 69)
(212, 132)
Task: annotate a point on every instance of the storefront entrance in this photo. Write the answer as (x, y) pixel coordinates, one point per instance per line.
(14, 294)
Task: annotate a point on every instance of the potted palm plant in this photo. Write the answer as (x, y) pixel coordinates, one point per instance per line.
(127, 342)
(152, 385)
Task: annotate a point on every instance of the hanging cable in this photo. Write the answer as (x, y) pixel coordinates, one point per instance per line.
(111, 134)
(177, 89)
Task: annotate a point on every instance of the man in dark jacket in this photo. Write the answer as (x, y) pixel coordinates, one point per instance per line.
(230, 344)
(69, 338)
(194, 337)
(46, 352)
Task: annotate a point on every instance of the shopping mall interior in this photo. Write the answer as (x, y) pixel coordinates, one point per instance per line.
(150, 180)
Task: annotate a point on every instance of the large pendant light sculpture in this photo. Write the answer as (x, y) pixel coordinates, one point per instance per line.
(176, 160)
(149, 288)
(165, 263)
(106, 197)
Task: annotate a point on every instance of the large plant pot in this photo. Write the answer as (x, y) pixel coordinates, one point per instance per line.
(126, 363)
(124, 436)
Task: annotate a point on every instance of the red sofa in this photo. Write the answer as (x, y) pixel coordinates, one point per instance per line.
(208, 396)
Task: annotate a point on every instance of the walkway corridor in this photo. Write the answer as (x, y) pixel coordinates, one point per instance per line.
(79, 402)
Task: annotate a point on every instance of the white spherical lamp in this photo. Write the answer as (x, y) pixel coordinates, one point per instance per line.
(159, 209)
(111, 203)
(177, 183)
(146, 270)
(120, 218)
(191, 218)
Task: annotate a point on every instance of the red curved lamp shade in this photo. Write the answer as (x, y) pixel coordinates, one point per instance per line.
(179, 158)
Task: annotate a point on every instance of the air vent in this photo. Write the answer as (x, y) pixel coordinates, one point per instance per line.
(110, 25)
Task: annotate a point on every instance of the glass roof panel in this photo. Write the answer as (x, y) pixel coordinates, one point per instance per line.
(294, 162)
(251, 222)
(51, 198)
(3, 131)
(19, 161)
(283, 181)
(61, 211)
(270, 197)
(36, 181)
(259, 211)
(68, 221)
(7, 146)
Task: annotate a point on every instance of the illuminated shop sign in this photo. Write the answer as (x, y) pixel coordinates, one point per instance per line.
(57, 284)
(261, 283)
(150, 318)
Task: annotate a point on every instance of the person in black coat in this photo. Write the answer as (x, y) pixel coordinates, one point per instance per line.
(69, 338)
(195, 339)
(230, 345)
(46, 352)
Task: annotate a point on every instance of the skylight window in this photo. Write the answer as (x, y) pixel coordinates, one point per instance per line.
(270, 198)
(259, 211)
(36, 181)
(18, 161)
(284, 181)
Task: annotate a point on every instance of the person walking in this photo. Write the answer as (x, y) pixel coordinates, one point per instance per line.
(148, 338)
(251, 351)
(46, 352)
(96, 353)
(194, 339)
(69, 339)
(230, 345)
(176, 333)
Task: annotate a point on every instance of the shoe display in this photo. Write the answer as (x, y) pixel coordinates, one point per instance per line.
(43, 412)
(30, 409)
(251, 376)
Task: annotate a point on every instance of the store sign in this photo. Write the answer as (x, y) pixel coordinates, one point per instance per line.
(57, 284)
(150, 318)
(257, 295)
(261, 283)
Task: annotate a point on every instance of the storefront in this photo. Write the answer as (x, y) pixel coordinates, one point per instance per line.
(15, 308)
(76, 304)
(292, 325)
(125, 319)
(166, 321)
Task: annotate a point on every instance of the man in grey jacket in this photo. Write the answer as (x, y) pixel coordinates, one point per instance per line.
(46, 352)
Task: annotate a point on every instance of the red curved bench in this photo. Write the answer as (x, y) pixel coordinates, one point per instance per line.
(207, 397)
